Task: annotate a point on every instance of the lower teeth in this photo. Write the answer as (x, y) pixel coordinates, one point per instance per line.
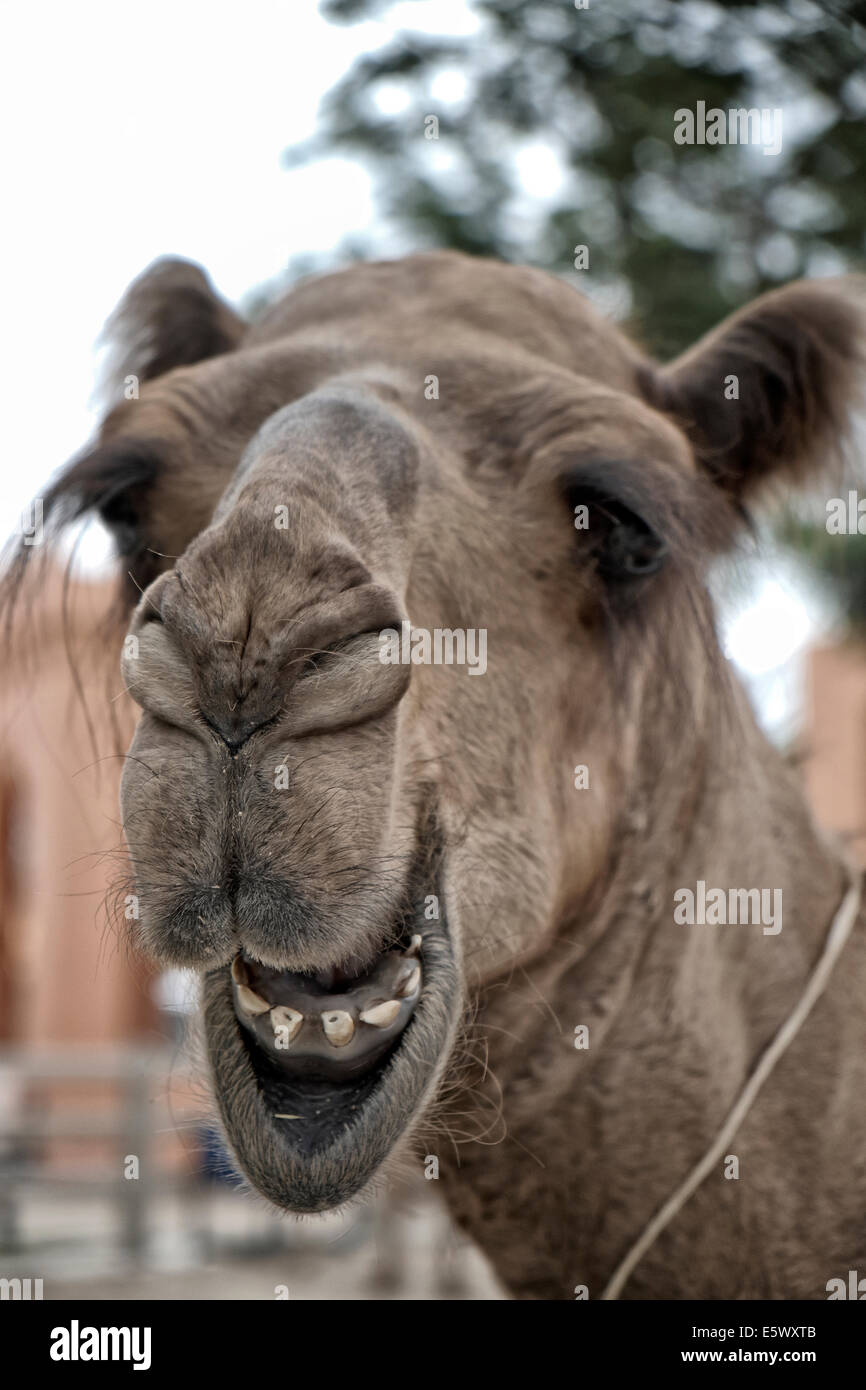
(304, 1029)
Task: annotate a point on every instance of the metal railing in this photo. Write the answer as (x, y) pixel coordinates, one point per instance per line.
(44, 1115)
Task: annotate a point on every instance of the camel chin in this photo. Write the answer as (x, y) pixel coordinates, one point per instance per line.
(319, 1076)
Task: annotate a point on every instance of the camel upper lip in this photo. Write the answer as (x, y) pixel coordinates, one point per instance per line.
(308, 1130)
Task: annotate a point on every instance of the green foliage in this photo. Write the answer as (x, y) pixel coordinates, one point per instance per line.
(840, 559)
(678, 235)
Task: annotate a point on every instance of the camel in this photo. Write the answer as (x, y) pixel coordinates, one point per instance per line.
(435, 908)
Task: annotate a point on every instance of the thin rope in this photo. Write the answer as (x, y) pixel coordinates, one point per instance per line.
(840, 930)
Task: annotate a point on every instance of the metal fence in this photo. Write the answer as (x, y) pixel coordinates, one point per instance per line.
(113, 1182)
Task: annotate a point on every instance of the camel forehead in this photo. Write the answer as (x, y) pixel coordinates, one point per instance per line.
(482, 331)
(443, 300)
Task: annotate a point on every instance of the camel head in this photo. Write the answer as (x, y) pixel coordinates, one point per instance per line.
(421, 558)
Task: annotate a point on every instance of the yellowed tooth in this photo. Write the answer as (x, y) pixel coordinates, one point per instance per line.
(339, 1027)
(250, 1002)
(286, 1024)
(381, 1014)
(239, 970)
(414, 946)
(410, 984)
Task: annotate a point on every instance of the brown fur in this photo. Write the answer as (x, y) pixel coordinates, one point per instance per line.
(458, 512)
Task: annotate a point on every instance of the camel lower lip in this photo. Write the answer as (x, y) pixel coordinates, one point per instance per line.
(308, 1130)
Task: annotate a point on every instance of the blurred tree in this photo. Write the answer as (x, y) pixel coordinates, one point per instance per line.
(556, 129)
(839, 559)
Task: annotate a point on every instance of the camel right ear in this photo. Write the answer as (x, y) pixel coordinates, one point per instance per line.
(171, 316)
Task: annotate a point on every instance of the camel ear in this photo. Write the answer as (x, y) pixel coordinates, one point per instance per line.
(171, 316)
(771, 392)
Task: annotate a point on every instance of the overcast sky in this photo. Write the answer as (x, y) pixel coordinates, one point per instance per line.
(132, 131)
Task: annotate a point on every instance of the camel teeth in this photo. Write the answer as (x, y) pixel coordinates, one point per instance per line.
(239, 970)
(415, 946)
(339, 1027)
(382, 1014)
(283, 1017)
(410, 984)
(250, 1002)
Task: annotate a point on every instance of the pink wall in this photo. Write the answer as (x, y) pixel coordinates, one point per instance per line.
(68, 973)
(835, 738)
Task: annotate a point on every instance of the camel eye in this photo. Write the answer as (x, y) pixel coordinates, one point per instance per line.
(631, 550)
(120, 514)
(621, 542)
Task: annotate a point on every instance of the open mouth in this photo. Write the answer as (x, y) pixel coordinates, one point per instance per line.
(318, 1076)
(333, 1025)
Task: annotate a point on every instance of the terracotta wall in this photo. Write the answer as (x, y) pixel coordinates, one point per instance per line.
(835, 740)
(66, 971)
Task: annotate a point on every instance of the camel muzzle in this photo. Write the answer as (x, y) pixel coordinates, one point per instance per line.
(321, 1075)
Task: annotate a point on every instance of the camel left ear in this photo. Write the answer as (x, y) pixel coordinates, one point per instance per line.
(770, 393)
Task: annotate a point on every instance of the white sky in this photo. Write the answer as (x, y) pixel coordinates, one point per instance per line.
(133, 131)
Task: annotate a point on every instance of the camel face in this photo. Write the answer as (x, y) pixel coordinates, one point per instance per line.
(420, 546)
(366, 687)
